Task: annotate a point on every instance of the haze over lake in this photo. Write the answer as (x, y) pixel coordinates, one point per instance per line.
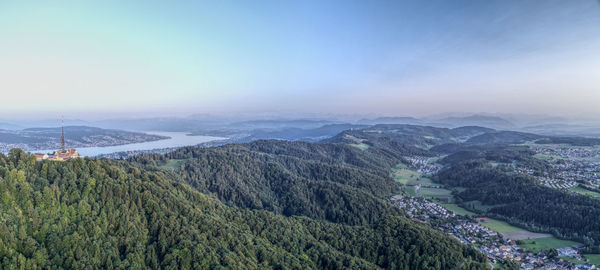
(177, 139)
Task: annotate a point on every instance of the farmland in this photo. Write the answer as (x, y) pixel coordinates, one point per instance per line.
(457, 209)
(535, 245)
(435, 192)
(404, 175)
(500, 226)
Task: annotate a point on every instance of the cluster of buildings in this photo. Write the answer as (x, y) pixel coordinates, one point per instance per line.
(557, 184)
(570, 163)
(424, 165)
(470, 232)
(60, 155)
(421, 209)
(568, 152)
(497, 247)
(494, 245)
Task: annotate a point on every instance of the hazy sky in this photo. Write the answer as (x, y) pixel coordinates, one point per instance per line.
(377, 57)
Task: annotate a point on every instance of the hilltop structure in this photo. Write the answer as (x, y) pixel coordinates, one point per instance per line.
(62, 154)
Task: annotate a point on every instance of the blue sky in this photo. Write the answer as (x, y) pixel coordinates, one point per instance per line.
(346, 57)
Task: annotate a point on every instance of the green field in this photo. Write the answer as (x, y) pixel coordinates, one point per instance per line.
(546, 243)
(425, 180)
(460, 189)
(404, 175)
(500, 226)
(547, 157)
(477, 205)
(434, 192)
(586, 192)
(361, 146)
(593, 258)
(409, 190)
(172, 164)
(575, 261)
(457, 209)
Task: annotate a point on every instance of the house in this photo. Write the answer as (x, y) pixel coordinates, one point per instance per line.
(60, 155)
(40, 156)
(67, 154)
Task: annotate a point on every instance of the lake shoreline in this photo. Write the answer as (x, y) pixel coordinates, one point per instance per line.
(175, 140)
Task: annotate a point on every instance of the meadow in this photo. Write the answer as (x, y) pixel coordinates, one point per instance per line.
(361, 146)
(500, 226)
(535, 245)
(457, 209)
(404, 175)
(586, 192)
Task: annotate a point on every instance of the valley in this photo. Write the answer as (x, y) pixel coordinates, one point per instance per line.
(300, 135)
(369, 177)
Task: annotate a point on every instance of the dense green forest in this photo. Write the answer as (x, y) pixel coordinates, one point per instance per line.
(337, 183)
(271, 204)
(92, 214)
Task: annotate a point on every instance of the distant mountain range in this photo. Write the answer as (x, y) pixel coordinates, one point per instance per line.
(314, 129)
(477, 120)
(391, 120)
(9, 126)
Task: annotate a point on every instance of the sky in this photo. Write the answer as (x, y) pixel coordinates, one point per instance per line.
(293, 57)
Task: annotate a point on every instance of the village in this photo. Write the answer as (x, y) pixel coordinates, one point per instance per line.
(497, 247)
(475, 231)
(573, 169)
(572, 163)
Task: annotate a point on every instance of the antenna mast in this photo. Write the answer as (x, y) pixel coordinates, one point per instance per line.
(62, 134)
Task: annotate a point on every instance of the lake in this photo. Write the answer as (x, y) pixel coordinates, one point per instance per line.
(178, 139)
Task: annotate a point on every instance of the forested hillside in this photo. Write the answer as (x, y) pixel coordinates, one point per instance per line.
(97, 214)
(338, 183)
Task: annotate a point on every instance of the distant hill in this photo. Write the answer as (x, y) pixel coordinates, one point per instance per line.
(9, 126)
(301, 134)
(470, 131)
(476, 120)
(281, 123)
(391, 120)
(411, 135)
(588, 130)
(171, 124)
(504, 137)
(32, 139)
